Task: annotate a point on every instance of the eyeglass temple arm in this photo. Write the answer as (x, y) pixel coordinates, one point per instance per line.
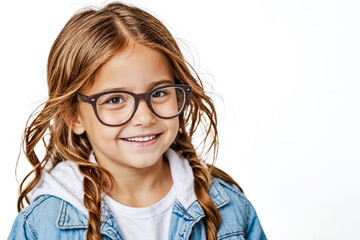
(83, 98)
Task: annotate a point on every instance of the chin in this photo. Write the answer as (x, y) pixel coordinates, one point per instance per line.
(142, 162)
(140, 165)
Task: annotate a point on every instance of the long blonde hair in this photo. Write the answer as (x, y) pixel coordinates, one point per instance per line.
(87, 41)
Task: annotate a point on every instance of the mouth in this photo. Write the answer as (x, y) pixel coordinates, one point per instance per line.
(144, 140)
(141, 139)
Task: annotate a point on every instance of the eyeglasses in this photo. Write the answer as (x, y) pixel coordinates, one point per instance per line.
(115, 108)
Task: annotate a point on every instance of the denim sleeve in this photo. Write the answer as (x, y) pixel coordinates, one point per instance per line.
(254, 230)
(20, 230)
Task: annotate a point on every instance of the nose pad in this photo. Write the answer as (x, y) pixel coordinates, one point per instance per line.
(143, 115)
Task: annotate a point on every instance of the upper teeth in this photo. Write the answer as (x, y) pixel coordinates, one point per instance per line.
(141, 139)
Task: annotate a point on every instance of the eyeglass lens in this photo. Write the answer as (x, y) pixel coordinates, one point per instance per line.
(116, 108)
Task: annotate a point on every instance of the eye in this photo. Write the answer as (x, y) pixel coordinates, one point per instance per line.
(160, 93)
(115, 100)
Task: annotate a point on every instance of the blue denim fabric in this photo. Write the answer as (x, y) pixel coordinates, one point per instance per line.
(49, 217)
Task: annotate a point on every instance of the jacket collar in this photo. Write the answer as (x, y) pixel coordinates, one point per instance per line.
(72, 218)
(195, 212)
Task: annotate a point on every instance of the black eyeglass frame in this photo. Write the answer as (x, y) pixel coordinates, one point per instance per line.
(92, 99)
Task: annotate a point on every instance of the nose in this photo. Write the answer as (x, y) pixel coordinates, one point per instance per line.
(143, 115)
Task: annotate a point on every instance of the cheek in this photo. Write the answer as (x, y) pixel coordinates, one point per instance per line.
(173, 126)
(95, 130)
(102, 137)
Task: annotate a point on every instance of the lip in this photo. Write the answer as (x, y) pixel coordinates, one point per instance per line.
(143, 144)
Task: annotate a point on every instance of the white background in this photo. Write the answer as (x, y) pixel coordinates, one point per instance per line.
(287, 72)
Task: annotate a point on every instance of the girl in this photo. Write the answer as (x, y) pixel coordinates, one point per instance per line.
(120, 164)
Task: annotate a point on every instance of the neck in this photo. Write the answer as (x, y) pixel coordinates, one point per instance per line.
(140, 187)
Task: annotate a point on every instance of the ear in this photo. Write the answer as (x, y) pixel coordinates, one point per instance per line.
(74, 122)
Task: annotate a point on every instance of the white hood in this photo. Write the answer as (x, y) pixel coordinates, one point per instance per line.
(65, 181)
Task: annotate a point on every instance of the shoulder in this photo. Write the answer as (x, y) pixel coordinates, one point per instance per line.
(40, 220)
(232, 192)
(236, 204)
(45, 206)
(43, 211)
(238, 213)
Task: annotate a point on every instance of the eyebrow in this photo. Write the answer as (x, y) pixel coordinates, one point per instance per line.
(151, 86)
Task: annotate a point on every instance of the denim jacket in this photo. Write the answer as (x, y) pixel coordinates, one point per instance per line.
(49, 217)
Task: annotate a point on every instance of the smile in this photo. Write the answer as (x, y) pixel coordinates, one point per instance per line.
(141, 139)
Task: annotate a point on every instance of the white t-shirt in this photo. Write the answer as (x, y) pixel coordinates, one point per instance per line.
(150, 223)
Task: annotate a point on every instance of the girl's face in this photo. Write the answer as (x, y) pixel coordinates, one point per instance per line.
(136, 69)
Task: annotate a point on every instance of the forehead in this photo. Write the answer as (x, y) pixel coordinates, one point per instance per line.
(134, 69)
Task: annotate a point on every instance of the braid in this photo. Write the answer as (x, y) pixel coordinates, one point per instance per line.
(92, 200)
(63, 144)
(202, 182)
